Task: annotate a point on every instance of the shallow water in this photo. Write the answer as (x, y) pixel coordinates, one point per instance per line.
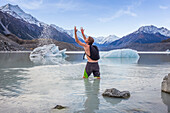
(38, 87)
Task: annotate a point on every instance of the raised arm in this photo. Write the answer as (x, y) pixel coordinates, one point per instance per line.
(82, 31)
(77, 40)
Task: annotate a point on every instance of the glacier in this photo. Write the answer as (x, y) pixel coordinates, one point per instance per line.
(120, 53)
(48, 54)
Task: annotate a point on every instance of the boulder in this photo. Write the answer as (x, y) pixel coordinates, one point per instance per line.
(116, 93)
(166, 84)
(59, 107)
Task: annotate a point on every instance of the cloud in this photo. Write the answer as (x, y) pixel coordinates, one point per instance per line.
(28, 4)
(128, 11)
(63, 5)
(119, 14)
(163, 7)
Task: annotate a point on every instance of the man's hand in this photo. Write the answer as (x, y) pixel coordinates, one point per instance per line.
(82, 30)
(75, 29)
(77, 40)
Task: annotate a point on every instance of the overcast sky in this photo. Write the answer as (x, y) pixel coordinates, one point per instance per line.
(99, 17)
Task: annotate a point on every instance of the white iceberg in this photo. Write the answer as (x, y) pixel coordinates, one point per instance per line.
(120, 53)
(46, 52)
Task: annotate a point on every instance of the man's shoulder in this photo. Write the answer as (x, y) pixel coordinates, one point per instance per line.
(86, 46)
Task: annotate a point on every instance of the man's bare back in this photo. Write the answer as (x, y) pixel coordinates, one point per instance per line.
(87, 51)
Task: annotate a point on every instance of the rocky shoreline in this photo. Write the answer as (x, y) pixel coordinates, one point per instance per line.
(13, 43)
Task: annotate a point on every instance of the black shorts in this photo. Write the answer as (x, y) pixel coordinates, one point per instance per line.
(92, 67)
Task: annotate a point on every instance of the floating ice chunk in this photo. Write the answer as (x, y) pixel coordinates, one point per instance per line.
(44, 53)
(120, 53)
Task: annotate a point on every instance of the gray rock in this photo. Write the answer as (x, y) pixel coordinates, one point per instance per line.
(166, 84)
(116, 93)
(59, 107)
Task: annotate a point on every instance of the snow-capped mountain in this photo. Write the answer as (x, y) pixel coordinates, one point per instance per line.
(106, 40)
(17, 12)
(153, 30)
(144, 35)
(28, 27)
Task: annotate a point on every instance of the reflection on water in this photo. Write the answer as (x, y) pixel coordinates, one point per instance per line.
(166, 99)
(153, 59)
(10, 82)
(49, 60)
(92, 90)
(111, 61)
(15, 60)
(112, 101)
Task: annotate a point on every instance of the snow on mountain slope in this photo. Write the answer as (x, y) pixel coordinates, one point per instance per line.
(69, 32)
(107, 40)
(17, 12)
(153, 30)
(58, 28)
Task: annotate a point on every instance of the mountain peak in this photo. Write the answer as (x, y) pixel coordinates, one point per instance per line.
(17, 12)
(151, 29)
(147, 28)
(9, 7)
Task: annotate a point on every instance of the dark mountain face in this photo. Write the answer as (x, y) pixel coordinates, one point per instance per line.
(149, 47)
(140, 38)
(19, 27)
(27, 31)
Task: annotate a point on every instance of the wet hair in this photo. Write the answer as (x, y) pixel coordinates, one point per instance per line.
(91, 40)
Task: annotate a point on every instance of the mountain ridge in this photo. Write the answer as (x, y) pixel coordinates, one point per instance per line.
(28, 30)
(144, 35)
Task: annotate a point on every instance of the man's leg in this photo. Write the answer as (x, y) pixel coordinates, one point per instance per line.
(96, 71)
(85, 74)
(96, 75)
(87, 70)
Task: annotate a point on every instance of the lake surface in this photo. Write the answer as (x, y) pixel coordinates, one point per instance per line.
(27, 86)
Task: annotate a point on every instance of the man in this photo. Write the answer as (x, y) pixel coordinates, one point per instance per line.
(92, 54)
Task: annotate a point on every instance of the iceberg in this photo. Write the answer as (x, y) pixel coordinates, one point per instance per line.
(48, 53)
(120, 53)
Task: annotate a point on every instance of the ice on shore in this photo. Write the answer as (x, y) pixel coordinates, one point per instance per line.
(48, 54)
(120, 53)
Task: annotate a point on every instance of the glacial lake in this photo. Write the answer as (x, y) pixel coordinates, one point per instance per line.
(27, 86)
